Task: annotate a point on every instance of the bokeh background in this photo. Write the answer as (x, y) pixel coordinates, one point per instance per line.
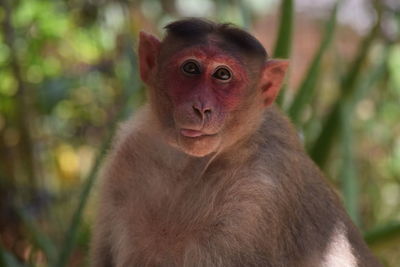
(69, 74)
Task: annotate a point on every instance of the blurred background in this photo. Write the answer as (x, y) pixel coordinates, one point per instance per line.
(69, 74)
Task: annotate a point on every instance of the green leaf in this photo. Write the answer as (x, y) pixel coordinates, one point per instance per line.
(383, 233)
(284, 39)
(8, 260)
(323, 144)
(307, 87)
(370, 78)
(40, 238)
(72, 233)
(245, 13)
(348, 174)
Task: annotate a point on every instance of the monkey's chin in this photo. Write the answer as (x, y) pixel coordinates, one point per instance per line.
(199, 146)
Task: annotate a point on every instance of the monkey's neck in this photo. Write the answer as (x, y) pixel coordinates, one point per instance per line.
(150, 138)
(273, 128)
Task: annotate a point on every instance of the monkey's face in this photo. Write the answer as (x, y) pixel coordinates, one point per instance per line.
(204, 86)
(205, 97)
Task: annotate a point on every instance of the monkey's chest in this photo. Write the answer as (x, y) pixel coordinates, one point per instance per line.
(166, 221)
(172, 227)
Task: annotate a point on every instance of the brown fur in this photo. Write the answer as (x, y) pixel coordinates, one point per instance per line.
(267, 206)
(257, 201)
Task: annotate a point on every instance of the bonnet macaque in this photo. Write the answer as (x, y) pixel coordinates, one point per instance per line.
(210, 173)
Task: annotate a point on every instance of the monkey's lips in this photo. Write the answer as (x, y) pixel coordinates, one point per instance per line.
(193, 133)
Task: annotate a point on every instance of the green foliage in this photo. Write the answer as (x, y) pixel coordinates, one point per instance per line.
(382, 233)
(40, 239)
(322, 146)
(7, 259)
(72, 233)
(284, 39)
(306, 92)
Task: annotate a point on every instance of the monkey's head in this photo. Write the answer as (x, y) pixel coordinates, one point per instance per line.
(208, 83)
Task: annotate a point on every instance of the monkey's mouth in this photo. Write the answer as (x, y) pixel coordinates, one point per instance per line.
(193, 133)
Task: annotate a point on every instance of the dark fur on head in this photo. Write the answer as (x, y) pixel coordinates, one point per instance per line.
(198, 30)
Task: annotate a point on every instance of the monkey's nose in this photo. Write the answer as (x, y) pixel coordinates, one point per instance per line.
(201, 111)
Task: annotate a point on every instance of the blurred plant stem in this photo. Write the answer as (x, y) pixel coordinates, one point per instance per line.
(245, 14)
(321, 148)
(381, 234)
(24, 110)
(306, 91)
(284, 40)
(348, 172)
(348, 175)
(71, 235)
(7, 259)
(40, 239)
(72, 232)
(283, 43)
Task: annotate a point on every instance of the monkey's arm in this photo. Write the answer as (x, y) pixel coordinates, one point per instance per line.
(101, 245)
(100, 253)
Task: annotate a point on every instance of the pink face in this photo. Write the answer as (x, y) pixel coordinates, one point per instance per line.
(202, 93)
(207, 82)
(208, 75)
(204, 85)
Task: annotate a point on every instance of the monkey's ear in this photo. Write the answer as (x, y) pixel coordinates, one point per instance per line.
(272, 78)
(149, 46)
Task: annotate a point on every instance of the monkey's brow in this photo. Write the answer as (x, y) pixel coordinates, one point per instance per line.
(208, 51)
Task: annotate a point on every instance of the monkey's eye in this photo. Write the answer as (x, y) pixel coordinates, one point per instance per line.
(222, 74)
(190, 67)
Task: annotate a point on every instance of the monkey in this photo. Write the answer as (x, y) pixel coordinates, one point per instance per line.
(209, 172)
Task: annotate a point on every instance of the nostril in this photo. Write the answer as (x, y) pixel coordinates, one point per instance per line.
(201, 112)
(197, 111)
